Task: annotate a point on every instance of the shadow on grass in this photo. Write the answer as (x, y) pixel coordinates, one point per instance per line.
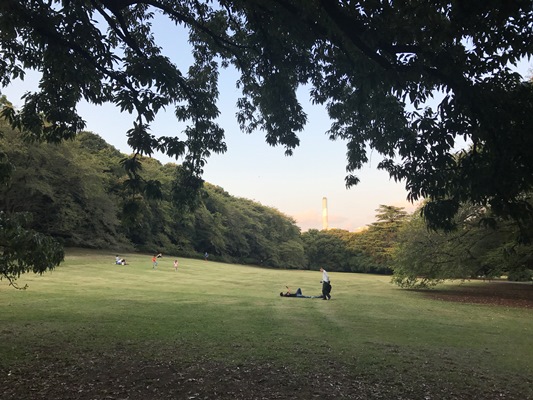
(508, 294)
(126, 375)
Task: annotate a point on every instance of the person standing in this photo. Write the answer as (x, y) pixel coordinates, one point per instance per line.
(154, 262)
(326, 285)
(176, 265)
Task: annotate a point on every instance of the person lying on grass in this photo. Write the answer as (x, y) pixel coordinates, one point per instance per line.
(298, 293)
(120, 261)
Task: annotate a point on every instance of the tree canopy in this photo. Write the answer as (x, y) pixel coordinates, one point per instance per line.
(474, 250)
(374, 65)
(22, 249)
(76, 193)
(381, 236)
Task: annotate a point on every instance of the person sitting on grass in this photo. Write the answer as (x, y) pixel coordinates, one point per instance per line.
(120, 261)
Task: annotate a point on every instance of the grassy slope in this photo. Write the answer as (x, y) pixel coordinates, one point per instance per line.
(233, 314)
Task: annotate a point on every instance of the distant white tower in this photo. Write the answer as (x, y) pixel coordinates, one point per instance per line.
(324, 213)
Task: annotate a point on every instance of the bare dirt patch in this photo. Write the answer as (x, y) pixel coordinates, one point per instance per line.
(123, 376)
(507, 294)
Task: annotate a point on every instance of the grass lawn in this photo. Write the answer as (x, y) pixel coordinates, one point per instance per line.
(95, 330)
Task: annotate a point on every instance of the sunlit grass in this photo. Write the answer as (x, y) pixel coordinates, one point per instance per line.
(234, 313)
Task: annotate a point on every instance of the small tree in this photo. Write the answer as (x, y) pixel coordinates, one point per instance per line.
(378, 241)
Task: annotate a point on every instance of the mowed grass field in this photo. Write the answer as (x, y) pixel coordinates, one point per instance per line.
(92, 329)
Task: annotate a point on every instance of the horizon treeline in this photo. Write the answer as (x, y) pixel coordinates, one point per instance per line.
(78, 192)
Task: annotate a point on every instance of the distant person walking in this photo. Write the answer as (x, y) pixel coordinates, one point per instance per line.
(326, 285)
(176, 265)
(154, 262)
(206, 256)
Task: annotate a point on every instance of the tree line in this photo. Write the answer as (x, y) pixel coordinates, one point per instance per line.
(374, 66)
(483, 245)
(77, 194)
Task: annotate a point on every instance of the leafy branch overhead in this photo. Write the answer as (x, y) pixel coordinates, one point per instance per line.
(25, 250)
(374, 65)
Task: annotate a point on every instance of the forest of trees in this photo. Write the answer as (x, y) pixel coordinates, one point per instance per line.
(374, 66)
(76, 193)
(482, 246)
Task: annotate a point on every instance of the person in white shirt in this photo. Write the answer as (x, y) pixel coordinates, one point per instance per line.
(326, 285)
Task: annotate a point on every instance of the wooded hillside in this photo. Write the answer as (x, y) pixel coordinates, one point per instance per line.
(78, 193)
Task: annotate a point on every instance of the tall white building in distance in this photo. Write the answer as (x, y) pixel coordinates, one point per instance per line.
(325, 213)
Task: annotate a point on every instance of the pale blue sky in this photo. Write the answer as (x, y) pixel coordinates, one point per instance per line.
(251, 168)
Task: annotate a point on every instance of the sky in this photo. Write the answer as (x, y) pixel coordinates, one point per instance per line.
(295, 185)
